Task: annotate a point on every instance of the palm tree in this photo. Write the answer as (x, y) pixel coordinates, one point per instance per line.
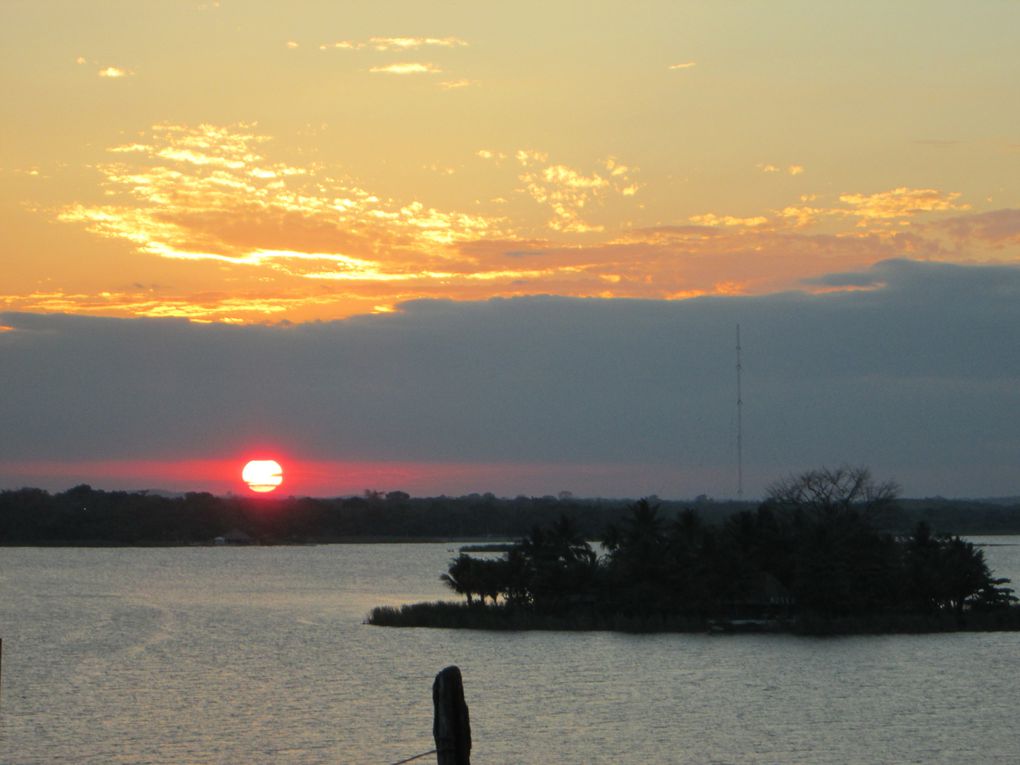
(461, 577)
(637, 559)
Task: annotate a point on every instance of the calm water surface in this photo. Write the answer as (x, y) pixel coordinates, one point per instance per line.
(258, 655)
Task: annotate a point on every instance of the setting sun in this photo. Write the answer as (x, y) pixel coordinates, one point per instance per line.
(262, 475)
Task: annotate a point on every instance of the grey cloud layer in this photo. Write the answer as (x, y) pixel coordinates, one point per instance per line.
(920, 378)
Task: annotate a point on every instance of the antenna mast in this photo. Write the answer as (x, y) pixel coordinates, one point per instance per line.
(740, 427)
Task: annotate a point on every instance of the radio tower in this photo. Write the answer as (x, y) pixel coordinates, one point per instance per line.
(740, 427)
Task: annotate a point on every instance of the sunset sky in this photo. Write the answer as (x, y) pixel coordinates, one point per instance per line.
(472, 246)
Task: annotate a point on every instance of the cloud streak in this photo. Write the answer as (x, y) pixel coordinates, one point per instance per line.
(901, 203)
(387, 44)
(406, 67)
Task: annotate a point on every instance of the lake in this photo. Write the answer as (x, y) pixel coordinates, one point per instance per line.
(236, 655)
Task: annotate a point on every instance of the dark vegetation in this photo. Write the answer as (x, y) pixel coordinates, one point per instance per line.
(811, 558)
(87, 516)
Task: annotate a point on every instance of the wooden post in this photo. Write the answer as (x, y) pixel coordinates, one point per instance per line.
(451, 727)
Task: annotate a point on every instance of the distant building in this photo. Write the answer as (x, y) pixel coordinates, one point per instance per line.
(234, 537)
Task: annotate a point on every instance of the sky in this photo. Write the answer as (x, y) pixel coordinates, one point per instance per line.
(446, 247)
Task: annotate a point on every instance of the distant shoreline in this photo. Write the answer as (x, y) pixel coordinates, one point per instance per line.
(354, 540)
(87, 517)
(470, 544)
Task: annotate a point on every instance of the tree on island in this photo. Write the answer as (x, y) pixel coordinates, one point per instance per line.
(946, 573)
(486, 578)
(555, 566)
(460, 577)
(828, 490)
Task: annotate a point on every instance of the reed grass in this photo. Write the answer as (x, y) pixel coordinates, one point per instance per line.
(506, 617)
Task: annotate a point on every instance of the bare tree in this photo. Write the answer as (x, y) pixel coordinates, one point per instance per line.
(828, 489)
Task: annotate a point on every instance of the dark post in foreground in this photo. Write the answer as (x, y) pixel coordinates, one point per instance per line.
(451, 728)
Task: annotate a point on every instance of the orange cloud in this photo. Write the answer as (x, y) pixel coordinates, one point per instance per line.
(208, 194)
(900, 203)
(279, 240)
(711, 219)
(998, 230)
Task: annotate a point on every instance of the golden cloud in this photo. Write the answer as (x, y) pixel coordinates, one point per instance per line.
(729, 221)
(303, 242)
(384, 44)
(768, 167)
(529, 156)
(901, 202)
(200, 308)
(411, 43)
(801, 215)
(208, 194)
(407, 67)
(114, 72)
(568, 192)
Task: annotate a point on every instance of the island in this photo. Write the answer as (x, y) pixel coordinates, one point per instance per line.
(812, 558)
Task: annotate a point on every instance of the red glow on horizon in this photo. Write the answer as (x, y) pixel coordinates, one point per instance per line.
(336, 478)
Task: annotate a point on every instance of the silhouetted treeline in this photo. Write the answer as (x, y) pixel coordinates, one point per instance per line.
(957, 516)
(86, 516)
(782, 566)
